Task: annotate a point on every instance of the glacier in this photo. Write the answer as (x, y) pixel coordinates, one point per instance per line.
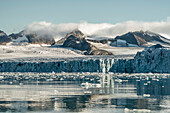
(150, 60)
(103, 65)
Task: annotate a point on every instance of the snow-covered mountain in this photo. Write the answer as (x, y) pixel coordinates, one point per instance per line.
(32, 38)
(138, 38)
(128, 43)
(153, 59)
(141, 38)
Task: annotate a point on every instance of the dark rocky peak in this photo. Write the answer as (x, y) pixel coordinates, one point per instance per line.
(4, 38)
(142, 37)
(76, 40)
(77, 33)
(131, 38)
(34, 38)
(17, 35)
(151, 33)
(2, 33)
(149, 36)
(141, 33)
(128, 34)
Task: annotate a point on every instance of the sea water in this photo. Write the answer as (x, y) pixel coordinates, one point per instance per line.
(84, 92)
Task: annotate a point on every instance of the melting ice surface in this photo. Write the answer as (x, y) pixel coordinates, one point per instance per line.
(84, 92)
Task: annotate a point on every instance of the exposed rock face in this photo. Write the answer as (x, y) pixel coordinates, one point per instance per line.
(132, 39)
(77, 40)
(77, 33)
(17, 35)
(4, 38)
(140, 37)
(35, 39)
(150, 36)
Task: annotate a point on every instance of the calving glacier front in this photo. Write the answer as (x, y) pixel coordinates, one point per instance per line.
(83, 65)
(142, 63)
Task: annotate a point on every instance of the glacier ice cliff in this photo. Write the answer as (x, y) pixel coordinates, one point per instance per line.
(82, 65)
(152, 60)
(149, 60)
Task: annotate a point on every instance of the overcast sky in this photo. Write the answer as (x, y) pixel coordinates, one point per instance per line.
(17, 14)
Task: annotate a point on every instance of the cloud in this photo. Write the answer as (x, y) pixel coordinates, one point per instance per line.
(168, 19)
(59, 31)
(45, 28)
(162, 27)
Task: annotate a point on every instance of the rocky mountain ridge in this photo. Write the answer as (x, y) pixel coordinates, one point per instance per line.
(77, 40)
(4, 38)
(141, 38)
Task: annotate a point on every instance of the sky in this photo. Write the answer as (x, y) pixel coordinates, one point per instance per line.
(18, 14)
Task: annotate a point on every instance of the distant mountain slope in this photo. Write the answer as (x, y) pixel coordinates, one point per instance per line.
(36, 39)
(77, 33)
(140, 38)
(77, 40)
(33, 38)
(17, 35)
(4, 38)
(130, 39)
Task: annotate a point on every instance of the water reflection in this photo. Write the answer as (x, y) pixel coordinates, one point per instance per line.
(82, 93)
(153, 86)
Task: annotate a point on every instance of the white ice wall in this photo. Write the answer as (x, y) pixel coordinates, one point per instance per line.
(153, 60)
(150, 60)
(90, 65)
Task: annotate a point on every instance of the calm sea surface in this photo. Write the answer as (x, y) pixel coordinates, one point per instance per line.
(85, 93)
